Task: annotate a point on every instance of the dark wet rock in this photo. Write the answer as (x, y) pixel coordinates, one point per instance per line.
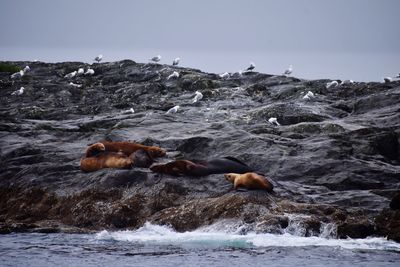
(388, 224)
(395, 202)
(334, 161)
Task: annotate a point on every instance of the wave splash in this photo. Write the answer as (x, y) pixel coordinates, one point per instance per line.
(230, 234)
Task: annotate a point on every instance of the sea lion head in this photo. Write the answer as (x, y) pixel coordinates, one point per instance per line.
(156, 152)
(141, 158)
(230, 177)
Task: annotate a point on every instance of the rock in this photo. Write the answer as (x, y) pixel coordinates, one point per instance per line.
(333, 161)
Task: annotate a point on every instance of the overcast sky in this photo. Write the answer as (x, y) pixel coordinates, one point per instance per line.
(257, 28)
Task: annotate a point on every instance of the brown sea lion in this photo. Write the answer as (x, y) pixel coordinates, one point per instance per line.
(201, 168)
(129, 147)
(249, 180)
(97, 157)
(106, 160)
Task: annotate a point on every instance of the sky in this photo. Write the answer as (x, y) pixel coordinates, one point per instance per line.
(357, 39)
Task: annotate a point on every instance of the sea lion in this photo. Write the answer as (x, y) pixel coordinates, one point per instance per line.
(106, 160)
(97, 157)
(129, 147)
(201, 168)
(249, 180)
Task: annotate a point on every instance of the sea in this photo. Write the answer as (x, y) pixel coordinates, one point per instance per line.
(214, 245)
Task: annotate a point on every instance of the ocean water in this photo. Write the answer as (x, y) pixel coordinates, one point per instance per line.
(153, 245)
(357, 66)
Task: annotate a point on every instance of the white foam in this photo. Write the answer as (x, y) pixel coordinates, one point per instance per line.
(231, 237)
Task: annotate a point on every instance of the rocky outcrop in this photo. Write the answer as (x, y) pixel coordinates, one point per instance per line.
(334, 160)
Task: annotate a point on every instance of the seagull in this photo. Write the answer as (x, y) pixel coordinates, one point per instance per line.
(224, 75)
(387, 79)
(89, 72)
(331, 84)
(198, 96)
(175, 74)
(172, 110)
(288, 71)
(18, 74)
(75, 85)
(309, 95)
(98, 58)
(70, 75)
(81, 71)
(252, 66)
(274, 121)
(26, 69)
(18, 92)
(176, 61)
(131, 110)
(347, 82)
(156, 59)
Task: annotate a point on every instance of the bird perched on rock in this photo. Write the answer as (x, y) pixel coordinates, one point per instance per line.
(175, 74)
(70, 75)
(347, 82)
(251, 67)
(81, 71)
(173, 110)
(89, 72)
(224, 75)
(26, 69)
(331, 84)
(98, 58)
(156, 59)
(198, 96)
(387, 79)
(18, 92)
(176, 61)
(274, 121)
(310, 95)
(288, 71)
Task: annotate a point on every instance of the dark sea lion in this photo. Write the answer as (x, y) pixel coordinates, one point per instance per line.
(249, 180)
(141, 158)
(201, 168)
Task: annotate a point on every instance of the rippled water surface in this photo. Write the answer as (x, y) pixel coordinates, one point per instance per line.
(154, 245)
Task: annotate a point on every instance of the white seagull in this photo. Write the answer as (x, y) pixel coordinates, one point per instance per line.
(172, 110)
(18, 92)
(387, 79)
(176, 61)
(131, 110)
(156, 59)
(288, 71)
(81, 71)
(175, 74)
(347, 82)
(98, 58)
(75, 85)
(310, 95)
(26, 69)
(198, 96)
(251, 67)
(70, 75)
(224, 75)
(331, 84)
(274, 121)
(18, 74)
(89, 72)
